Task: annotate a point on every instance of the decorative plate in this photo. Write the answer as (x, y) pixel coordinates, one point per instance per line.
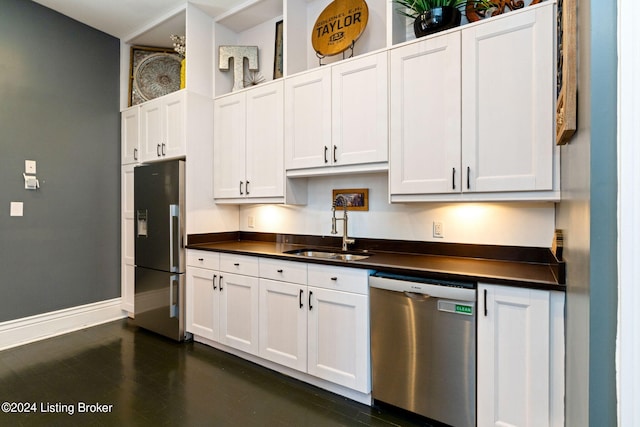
(339, 26)
(157, 75)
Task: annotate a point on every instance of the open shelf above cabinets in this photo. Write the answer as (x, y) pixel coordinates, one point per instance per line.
(254, 24)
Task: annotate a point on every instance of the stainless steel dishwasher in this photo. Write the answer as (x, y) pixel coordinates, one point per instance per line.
(423, 346)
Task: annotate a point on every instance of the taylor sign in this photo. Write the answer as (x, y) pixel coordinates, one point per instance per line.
(339, 25)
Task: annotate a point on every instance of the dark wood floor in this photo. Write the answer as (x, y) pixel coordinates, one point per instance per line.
(150, 380)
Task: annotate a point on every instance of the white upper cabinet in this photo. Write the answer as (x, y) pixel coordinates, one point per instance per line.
(130, 135)
(484, 129)
(425, 116)
(229, 136)
(336, 116)
(359, 110)
(308, 120)
(249, 148)
(162, 127)
(508, 102)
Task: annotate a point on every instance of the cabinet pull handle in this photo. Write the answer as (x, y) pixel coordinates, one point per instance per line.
(135, 154)
(214, 282)
(485, 303)
(335, 159)
(241, 193)
(237, 264)
(301, 305)
(335, 279)
(200, 259)
(158, 150)
(325, 154)
(279, 270)
(453, 179)
(246, 187)
(220, 282)
(164, 151)
(468, 178)
(310, 306)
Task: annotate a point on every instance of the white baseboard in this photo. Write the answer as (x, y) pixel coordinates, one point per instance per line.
(33, 328)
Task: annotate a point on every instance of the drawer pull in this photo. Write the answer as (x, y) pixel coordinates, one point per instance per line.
(237, 264)
(200, 259)
(280, 271)
(335, 279)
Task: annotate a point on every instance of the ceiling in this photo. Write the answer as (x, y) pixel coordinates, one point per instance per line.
(125, 18)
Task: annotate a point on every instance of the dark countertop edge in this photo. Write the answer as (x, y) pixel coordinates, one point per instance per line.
(557, 268)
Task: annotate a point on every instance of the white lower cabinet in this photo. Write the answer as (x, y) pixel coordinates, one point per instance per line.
(222, 306)
(338, 338)
(322, 329)
(520, 357)
(310, 318)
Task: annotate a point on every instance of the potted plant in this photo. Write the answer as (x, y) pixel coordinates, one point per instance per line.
(431, 16)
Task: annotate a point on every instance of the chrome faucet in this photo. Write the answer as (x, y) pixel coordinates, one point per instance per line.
(346, 241)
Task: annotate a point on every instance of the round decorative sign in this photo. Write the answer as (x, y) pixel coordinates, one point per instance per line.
(339, 25)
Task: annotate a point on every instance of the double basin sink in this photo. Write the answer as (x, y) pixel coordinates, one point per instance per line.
(328, 254)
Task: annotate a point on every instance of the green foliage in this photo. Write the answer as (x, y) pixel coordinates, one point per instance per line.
(413, 8)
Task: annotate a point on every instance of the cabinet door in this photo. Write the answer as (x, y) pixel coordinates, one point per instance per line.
(283, 323)
(239, 300)
(229, 146)
(513, 357)
(130, 135)
(508, 102)
(202, 303)
(265, 141)
(174, 132)
(151, 130)
(425, 117)
(359, 110)
(127, 239)
(338, 338)
(308, 120)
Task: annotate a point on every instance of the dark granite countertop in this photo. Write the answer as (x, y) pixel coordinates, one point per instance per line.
(505, 265)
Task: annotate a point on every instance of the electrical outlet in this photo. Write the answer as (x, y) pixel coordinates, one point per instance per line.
(438, 229)
(251, 221)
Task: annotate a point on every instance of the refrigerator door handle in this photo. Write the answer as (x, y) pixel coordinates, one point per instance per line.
(174, 237)
(173, 302)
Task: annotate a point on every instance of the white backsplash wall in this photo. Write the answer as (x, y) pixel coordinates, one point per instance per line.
(513, 224)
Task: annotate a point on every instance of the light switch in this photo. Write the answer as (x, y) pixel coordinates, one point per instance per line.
(16, 208)
(30, 167)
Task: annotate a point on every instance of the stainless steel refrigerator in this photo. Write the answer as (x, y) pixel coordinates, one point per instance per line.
(159, 248)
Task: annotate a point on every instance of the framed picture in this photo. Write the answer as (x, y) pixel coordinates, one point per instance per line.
(278, 56)
(357, 199)
(153, 72)
(566, 105)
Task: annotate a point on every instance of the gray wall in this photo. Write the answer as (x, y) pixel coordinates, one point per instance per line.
(587, 213)
(59, 91)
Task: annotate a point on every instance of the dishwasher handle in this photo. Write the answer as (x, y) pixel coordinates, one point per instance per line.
(417, 296)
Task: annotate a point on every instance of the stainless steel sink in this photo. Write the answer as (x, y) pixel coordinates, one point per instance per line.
(318, 253)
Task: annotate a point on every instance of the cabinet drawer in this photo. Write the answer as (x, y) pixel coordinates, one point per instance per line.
(283, 271)
(204, 259)
(239, 264)
(339, 278)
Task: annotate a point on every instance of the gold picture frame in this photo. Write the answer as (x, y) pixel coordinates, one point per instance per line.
(357, 199)
(137, 55)
(278, 56)
(566, 105)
